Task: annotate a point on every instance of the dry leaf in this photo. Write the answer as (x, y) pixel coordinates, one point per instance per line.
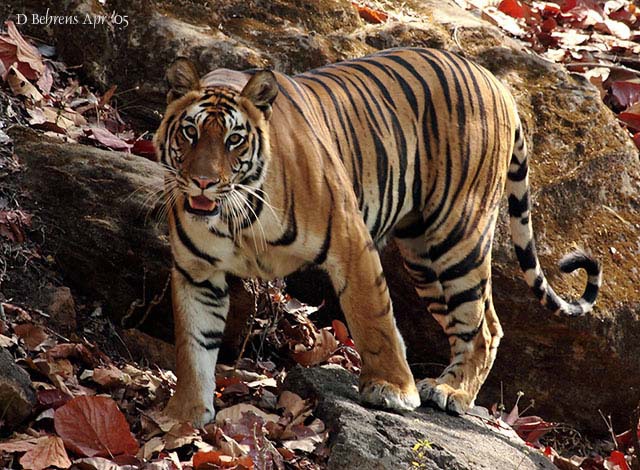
(155, 444)
(12, 225)
(180, 435)
(109, 376)
(99, 463)
(161, 420)
(292, 403)
(94, 426)
(109, 140)
(48, 453)
(32, 335)
(370, 15)
(324, 346)
(307, 444)
(21, 443)
(20, 86)
(14, 49)
(234, 414)
(216, 459)
(506, 22)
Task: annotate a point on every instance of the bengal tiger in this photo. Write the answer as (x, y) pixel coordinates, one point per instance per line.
(267, 173)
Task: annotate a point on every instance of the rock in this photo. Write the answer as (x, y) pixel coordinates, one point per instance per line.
(576, 148)
(17, 397)
(149, 350)
(61, 308)
(363, 438)
(103, 232)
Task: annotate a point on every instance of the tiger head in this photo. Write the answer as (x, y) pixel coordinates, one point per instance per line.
(213, 140)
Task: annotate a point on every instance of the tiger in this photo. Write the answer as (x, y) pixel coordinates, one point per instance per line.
(266, 174)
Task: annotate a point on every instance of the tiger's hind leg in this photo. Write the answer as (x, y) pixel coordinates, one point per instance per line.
(458, 295)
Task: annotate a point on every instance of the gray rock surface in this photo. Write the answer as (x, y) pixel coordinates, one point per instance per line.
(585, 178)
(17, 397)
(367, 439)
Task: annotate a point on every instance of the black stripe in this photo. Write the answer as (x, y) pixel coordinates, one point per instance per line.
(590, 292)
(426, 274)
(527, 256)
(321, 257)
(471, 261)
(521, 173)
(517, 207)
(291, 232)
(469, 336)
(186, 241)
(469, 295)
(537, 287)
(218, 292)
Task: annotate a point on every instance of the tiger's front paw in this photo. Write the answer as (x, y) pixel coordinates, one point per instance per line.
(185, 409)
(445, 397)
(378, 392)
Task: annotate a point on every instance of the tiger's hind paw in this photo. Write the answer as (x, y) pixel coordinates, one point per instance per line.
(445, 397)
(389, 396)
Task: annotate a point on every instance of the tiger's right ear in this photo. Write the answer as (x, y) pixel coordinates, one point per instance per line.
(183, 77)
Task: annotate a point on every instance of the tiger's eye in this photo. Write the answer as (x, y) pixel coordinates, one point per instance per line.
(234, 139)
(190, 132)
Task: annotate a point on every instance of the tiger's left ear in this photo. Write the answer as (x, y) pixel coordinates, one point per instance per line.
(182, 77)
(261, 90)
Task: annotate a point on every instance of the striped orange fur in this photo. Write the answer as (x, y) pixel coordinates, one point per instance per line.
(268, 173)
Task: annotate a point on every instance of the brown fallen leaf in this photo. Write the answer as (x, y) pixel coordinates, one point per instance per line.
(15, 49)
(106, 138)
(89, 357)
(234, 413)
(369, 14)
(33, 335)
(12, 226)
(325, 344)
(153, 445)
(20, 86)
(52, 398)
(180, 435)
(292, 403)
(216, 459)
(100, 463)
(48, 453)
(109, 376)
(21, 443)
(94, 427)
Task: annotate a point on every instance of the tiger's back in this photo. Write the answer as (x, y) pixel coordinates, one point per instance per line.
(415, 130)
(269, 173)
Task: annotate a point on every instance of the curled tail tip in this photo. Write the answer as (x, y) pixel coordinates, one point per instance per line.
(580, 259)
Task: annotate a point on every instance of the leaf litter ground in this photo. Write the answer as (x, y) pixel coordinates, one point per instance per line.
(96, 412)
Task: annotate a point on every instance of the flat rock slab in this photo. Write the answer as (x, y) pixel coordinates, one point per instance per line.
(364, 438)
(17, 397)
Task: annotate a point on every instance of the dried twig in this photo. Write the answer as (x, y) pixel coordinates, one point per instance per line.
(249, 285)
(609, 428)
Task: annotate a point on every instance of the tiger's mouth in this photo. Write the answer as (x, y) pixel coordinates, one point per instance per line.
(201, 205)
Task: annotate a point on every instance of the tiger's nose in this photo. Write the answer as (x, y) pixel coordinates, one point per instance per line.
(203, 182)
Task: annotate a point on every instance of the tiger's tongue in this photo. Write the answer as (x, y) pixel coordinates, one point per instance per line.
(202, 203)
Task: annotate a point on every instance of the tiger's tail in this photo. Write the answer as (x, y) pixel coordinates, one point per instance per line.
(522, 235)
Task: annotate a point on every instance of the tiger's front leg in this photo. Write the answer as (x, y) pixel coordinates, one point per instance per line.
(199, 310)
(356, 273)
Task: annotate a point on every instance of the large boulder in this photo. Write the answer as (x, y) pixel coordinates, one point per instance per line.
(17, 396)
(584, 172)
(363, 438)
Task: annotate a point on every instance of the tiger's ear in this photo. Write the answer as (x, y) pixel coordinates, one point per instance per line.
(183, 77)
(261, 90)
